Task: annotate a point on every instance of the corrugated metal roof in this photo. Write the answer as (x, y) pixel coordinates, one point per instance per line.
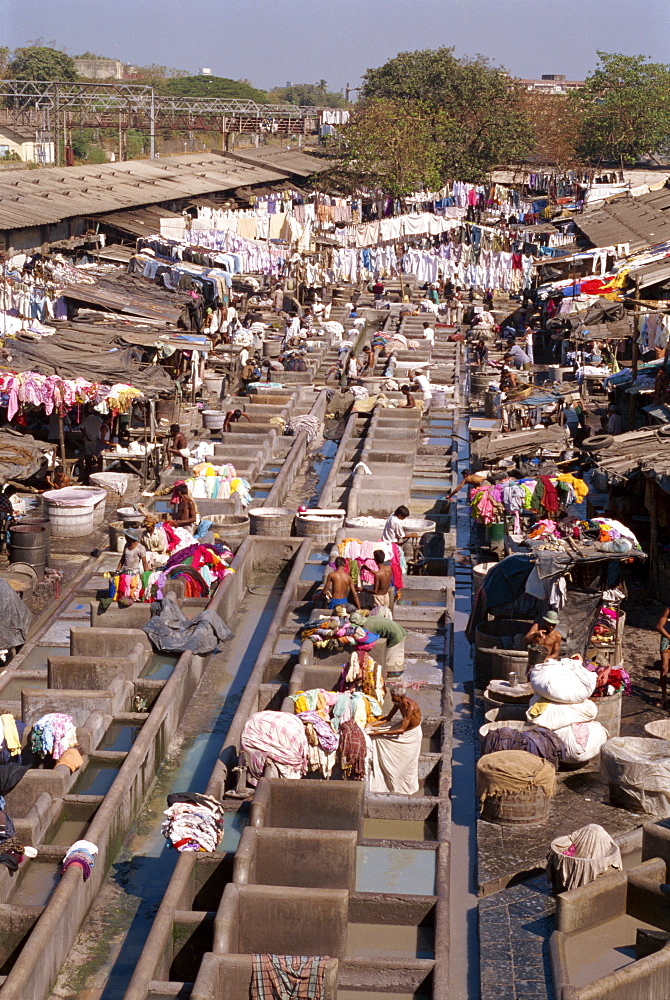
(653, 274)
(638, 221)
(47, 196)
(137, 221)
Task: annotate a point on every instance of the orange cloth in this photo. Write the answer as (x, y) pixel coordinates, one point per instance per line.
(72, 759)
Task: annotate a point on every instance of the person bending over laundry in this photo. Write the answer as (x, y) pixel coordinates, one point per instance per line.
(422, 382)
(395, 751)
(339, 586)
(232, 416)
(393, 529)
(410, 398)
(469, 479)
(388, 629)
(179, 446)
(664, 630)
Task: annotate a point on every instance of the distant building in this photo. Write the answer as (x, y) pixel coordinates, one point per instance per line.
(551, 83)
(99, 69)
(30, 145)
(205, 71)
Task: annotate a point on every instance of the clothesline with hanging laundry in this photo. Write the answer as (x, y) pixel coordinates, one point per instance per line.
(54, 393)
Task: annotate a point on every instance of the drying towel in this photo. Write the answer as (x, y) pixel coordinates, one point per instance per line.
(287, 977)
(592, 852)
(395, 762)
(514, 772)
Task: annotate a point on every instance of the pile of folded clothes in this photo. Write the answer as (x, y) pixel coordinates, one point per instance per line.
(194, 822)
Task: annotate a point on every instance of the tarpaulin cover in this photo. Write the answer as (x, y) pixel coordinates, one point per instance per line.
(641, 767)
(514, 772)
(21, 456)
(15, 618)
(10, 775)
(170, 631)
(74, 356)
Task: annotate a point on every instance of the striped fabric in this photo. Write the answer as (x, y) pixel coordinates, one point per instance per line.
(275, 736)
(287, 977)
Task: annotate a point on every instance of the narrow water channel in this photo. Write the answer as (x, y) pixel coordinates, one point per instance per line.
(464, 949)
(145, 866)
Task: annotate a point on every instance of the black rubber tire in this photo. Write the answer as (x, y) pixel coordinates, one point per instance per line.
(664, 431)
(598, 442)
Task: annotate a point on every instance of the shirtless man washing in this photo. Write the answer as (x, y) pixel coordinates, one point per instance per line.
(381, 597)
(339, 586)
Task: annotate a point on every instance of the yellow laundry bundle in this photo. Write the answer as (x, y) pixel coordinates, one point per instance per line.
(578, 485)
(301, 703)
(11, 734)
(538, 708)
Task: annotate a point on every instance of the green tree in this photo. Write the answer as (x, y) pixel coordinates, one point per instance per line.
(624, 109)
(388, 146)
(81, 143)
(477, 111)
(136, 143)
(38, 62)
(307, 95)
(216, 86)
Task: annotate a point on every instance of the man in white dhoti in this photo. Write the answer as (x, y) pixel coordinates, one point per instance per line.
(394, 768)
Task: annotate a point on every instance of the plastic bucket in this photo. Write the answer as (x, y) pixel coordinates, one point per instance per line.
(28, 543)
(495, 532)
(214, 384)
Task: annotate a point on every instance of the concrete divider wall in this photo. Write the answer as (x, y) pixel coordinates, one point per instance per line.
(45, 950)
(295, 458)
(325, 499)
(389, 451)
(155, 955)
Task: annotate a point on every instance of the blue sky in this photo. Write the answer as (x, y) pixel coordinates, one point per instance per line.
(271, 42)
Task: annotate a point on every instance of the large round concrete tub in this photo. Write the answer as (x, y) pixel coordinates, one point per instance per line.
(275, 521)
